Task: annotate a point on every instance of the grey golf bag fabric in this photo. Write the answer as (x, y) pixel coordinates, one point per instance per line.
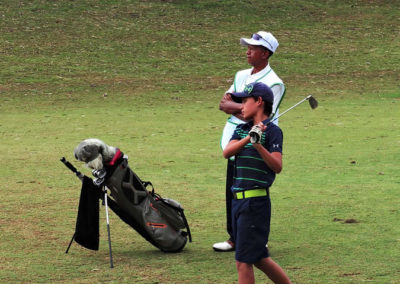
(160, 221)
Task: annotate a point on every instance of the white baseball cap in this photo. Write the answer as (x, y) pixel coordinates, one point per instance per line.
(261, 38)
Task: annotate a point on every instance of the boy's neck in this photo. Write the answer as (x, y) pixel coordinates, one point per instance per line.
(259, 117)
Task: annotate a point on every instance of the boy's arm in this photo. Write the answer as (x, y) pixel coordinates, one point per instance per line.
(273, 160)
(234, 146)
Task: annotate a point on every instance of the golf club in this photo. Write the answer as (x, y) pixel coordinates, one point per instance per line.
(311, 100)
(108, 228)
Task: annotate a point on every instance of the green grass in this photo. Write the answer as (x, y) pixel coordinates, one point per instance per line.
(164, 66)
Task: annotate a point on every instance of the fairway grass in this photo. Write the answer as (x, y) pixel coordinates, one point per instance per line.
(147, 77)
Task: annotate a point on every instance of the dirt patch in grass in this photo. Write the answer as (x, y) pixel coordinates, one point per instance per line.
(346, 221)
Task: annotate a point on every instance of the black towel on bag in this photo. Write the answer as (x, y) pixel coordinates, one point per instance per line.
(87, 221)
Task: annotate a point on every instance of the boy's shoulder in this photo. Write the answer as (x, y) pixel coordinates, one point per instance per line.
(246, 125)
(271, 126)
(274, 128)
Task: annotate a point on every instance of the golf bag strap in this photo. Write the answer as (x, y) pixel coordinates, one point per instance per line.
(187, 226)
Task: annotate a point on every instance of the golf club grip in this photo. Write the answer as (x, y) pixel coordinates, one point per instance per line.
(69, 165)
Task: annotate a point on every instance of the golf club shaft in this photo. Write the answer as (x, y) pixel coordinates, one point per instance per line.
(108, 229)
(292, 107)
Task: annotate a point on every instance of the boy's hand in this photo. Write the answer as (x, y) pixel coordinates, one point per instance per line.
(256, 132)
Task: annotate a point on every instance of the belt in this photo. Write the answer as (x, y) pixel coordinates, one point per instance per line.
(250, 193)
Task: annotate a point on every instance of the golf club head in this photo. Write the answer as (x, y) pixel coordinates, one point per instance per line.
(312, 101)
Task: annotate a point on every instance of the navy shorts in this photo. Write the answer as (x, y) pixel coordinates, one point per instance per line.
(251, 219)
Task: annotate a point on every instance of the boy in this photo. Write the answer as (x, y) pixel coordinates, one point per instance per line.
(258, 157)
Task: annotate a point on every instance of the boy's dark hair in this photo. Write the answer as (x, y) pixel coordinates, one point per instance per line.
(267, 107)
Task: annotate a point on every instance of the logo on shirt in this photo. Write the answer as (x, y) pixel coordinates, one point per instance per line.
(275, 145)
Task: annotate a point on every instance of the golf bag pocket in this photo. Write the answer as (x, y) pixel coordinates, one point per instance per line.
(172, 211)
(167, 236)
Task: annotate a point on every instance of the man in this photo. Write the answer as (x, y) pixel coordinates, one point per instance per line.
(260, 47)
(258, 158)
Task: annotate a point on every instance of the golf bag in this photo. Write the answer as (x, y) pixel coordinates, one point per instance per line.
(161, 221)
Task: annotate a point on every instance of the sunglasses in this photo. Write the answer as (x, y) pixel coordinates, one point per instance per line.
(256, 37)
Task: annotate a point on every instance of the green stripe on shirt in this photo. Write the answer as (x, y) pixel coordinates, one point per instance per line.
(250, 157)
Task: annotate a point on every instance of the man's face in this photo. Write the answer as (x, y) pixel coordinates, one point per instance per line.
(250, 107)
(256, 54)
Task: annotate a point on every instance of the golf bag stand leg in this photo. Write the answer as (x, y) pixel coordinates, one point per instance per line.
(108, 227)
(70, 243)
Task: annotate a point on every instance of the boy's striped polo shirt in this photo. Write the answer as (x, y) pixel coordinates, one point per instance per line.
(251, 171)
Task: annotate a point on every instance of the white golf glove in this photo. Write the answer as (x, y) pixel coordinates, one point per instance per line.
(255, 134)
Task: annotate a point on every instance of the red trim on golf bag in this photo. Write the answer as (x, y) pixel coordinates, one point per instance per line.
(156, 225)
(117, 155)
